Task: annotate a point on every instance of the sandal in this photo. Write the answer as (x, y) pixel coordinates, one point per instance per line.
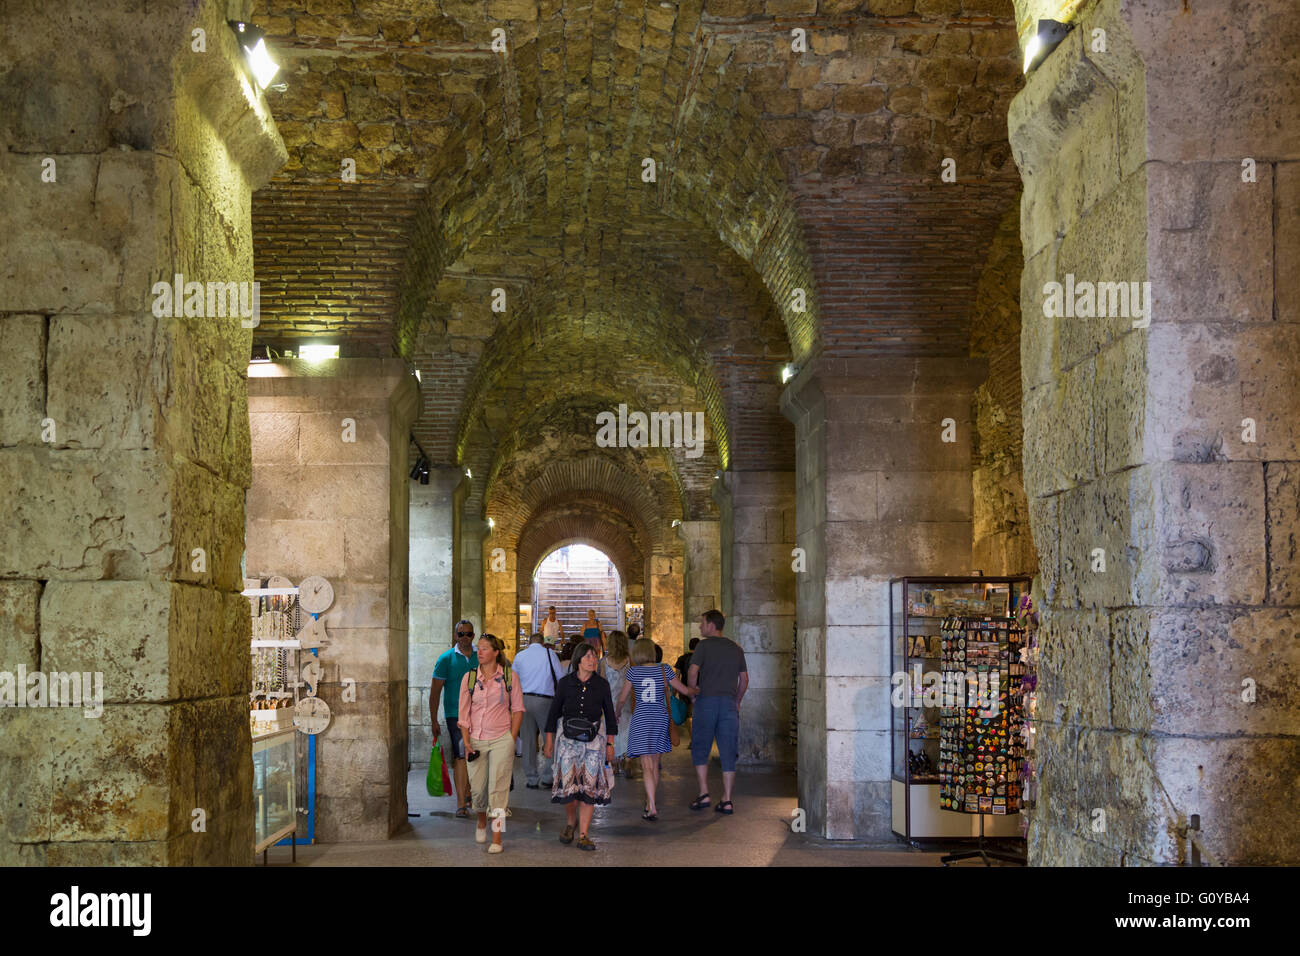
(650, 817)
(566, 835)
(702, 802)
(725, 807)
(463, 812)
(584, 843)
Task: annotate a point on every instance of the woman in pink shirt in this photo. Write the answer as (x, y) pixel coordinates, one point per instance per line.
(491, 710)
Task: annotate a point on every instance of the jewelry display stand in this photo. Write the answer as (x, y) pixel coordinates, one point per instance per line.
(283, 719)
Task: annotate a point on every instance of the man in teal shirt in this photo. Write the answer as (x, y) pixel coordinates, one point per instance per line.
(451, 667)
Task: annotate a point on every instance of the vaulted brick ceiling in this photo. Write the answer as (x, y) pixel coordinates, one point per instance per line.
(775, 170)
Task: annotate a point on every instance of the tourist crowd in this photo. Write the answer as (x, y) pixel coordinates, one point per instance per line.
(596, 708)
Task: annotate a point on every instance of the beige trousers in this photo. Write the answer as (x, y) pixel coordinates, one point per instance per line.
(489, 773)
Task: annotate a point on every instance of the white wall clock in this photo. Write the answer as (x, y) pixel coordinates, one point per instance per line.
(312, 715)
(315, 594)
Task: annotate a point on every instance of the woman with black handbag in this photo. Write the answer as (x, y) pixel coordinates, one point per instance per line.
(584, 708)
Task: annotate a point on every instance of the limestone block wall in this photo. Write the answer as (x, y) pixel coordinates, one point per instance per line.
(999, 511)
(879, 494)
(123, 434)
(429, 620)
(321, 504)
(759, 526)
(1168, 678)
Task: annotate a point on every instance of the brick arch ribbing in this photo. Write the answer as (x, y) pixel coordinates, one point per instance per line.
(596, 477)
(494, 446)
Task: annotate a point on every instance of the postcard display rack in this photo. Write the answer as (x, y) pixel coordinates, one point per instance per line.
(284, 712)
(944, 633)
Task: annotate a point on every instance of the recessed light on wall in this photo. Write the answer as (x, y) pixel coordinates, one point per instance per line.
(788, 371)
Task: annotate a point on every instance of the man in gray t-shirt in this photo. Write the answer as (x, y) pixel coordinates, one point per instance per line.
(718, 671)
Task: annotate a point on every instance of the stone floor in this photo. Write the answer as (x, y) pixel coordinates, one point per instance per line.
(758, 834)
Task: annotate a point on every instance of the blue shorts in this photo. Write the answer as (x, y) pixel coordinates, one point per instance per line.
(454, 739)
(715, 717)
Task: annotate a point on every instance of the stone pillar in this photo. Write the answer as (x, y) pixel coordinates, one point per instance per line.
(123, 432)
(880, 493)
(471, 533)
(430, 619)
(331, 496)
(664, 603)
(701, 574)
(1167, 678)
(500, 595)
(760, 519)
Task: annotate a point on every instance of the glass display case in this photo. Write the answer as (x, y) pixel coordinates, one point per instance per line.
(275, 787)
(917, 609)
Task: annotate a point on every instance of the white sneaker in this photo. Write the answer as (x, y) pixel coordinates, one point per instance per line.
(480, 834)
(495, 848)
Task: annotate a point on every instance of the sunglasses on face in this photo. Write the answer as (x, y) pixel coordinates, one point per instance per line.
(464, 633)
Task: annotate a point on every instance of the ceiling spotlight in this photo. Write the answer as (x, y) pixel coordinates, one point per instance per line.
(491, 523)
(468, 473)
(788, 371)
(417, 377)
(1049, 35)
(253, 42)
(415, 469)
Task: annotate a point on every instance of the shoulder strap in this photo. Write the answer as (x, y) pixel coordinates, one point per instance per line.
(666, 707)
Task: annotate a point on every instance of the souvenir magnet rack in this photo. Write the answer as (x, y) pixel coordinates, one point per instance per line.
(981, 747)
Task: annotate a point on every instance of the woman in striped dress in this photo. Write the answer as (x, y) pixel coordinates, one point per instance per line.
(647, 736)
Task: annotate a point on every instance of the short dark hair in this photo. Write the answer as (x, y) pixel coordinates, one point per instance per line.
(536, 638)
(580, 650)
(633, 629)
(463, 621)
(659, 653)
(715, 618)
(694, 641)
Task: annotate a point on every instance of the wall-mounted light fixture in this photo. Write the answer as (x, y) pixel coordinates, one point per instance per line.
(788, 371)
(252, 40)
(318, 353)
(492, 523)
(417, 377)
(1047, 38)
(468, 473)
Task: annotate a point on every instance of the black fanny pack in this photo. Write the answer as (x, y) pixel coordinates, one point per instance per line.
(579, 728)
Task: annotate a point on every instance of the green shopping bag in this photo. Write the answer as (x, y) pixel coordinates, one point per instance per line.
(437, 781)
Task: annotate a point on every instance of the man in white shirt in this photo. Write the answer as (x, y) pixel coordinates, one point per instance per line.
(538, 670)
(552, 629)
